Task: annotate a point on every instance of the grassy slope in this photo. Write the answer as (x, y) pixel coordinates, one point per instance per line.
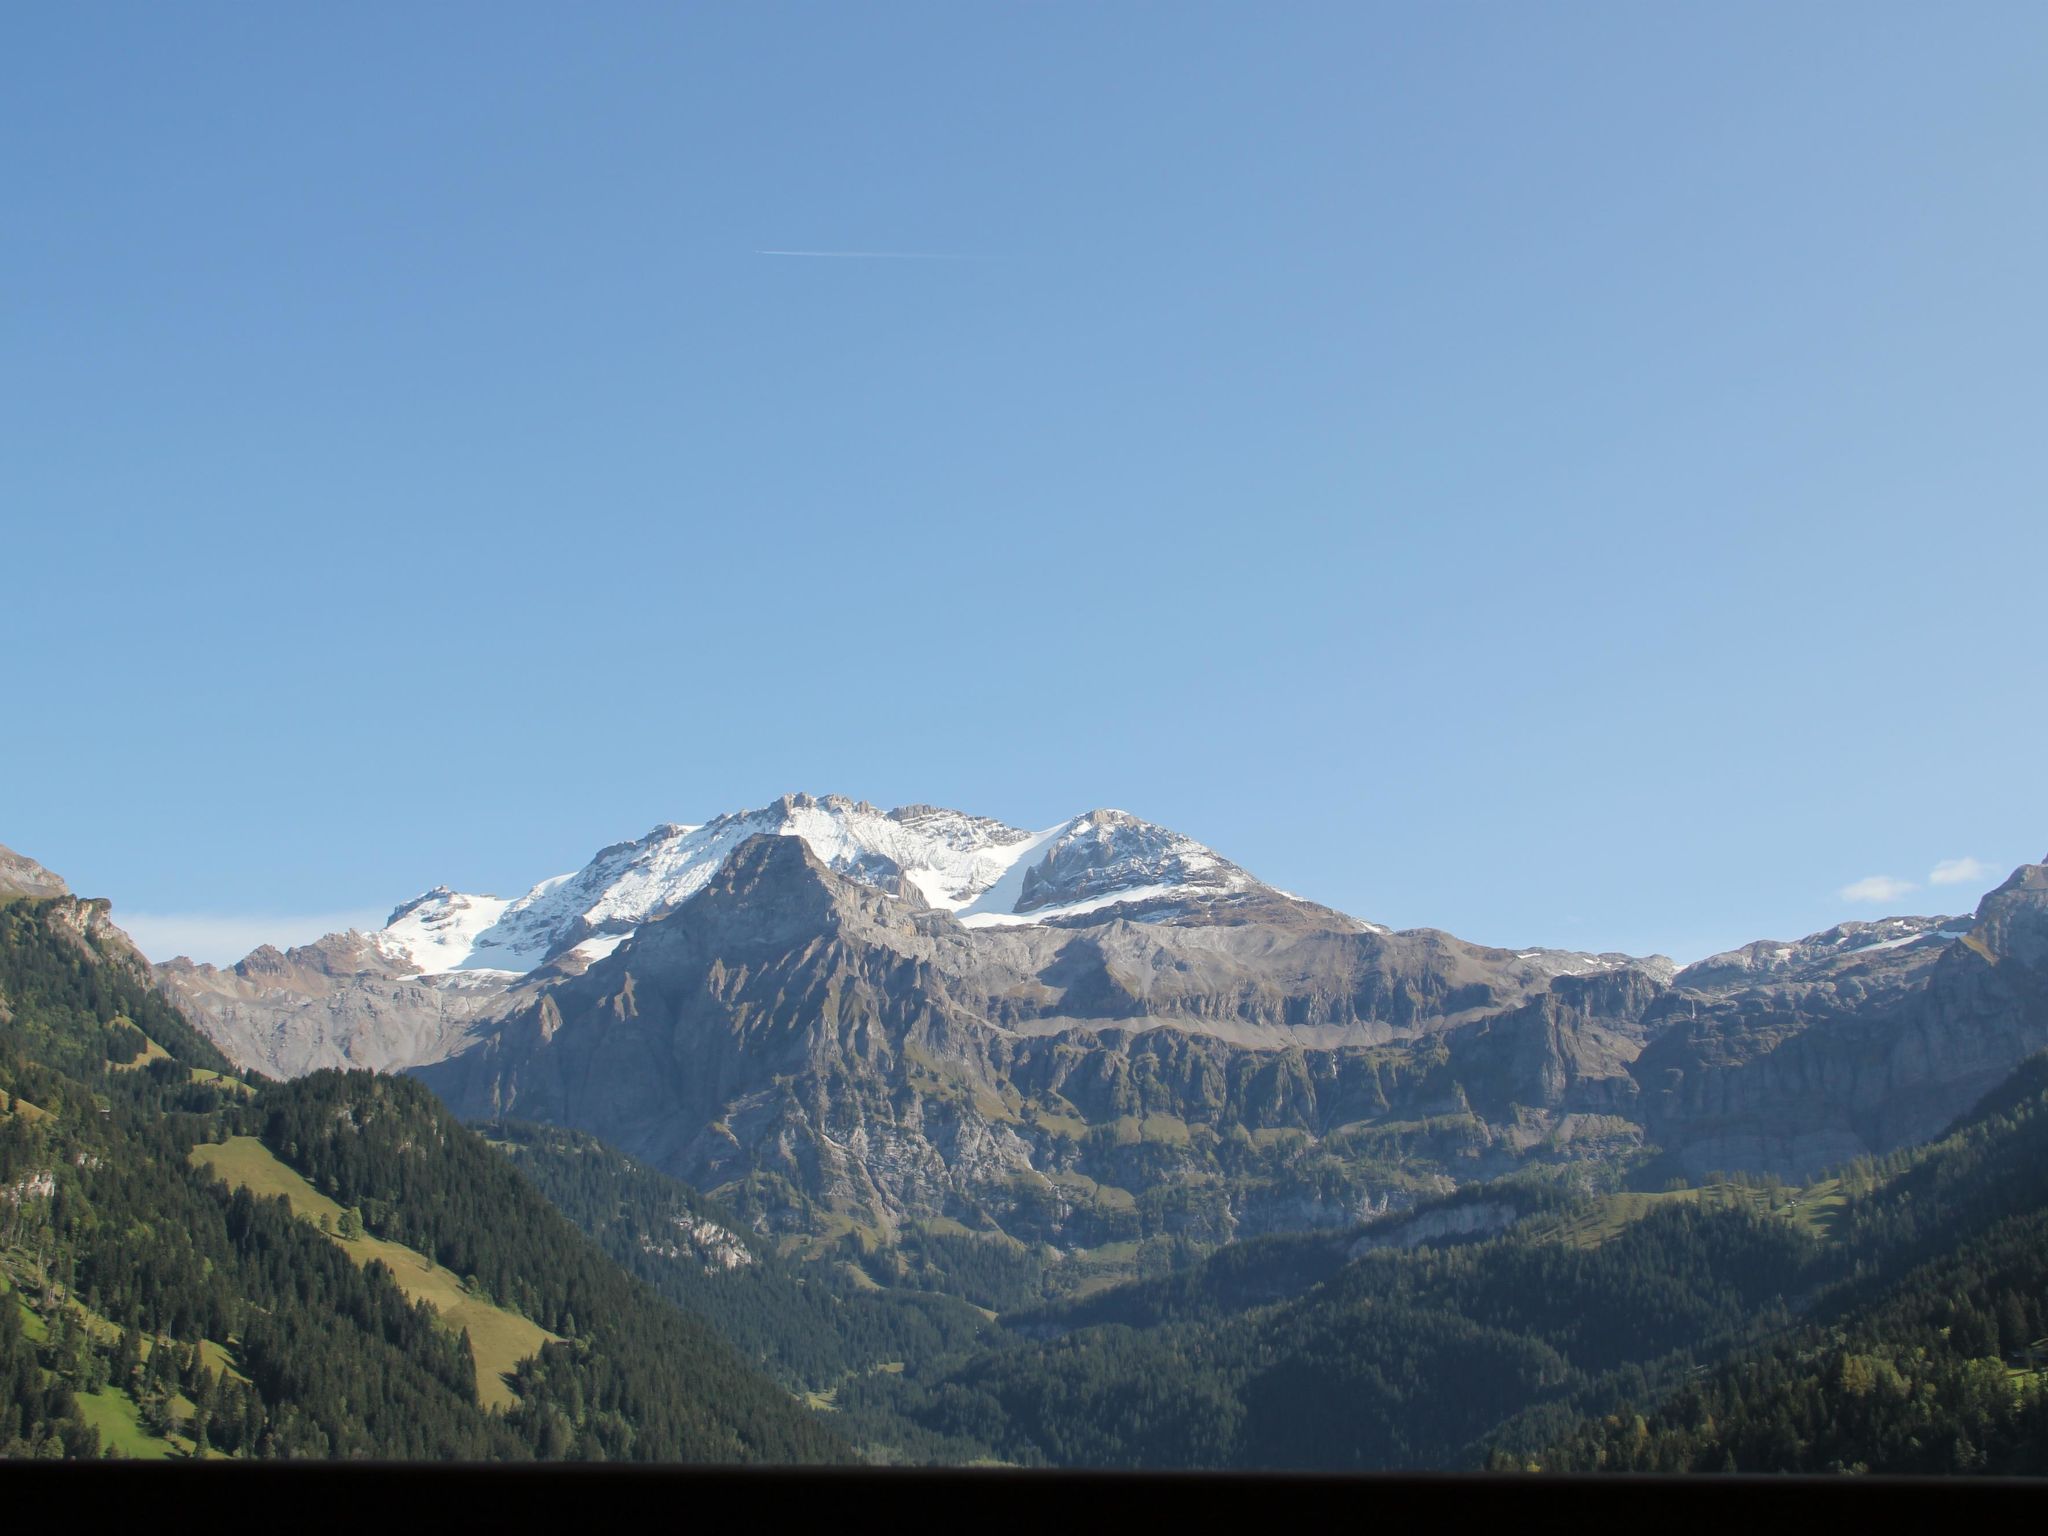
(111, 1411)
(499, 1338)
(151, 1051)
(32, 1322)
(233, 1085)
(1814, 1208)
(115, 1416)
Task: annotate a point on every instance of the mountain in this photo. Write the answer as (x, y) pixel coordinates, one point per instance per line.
(983, 872)
(198, 1264)
(339, 1002)
(833, 1057)
(410, 992)
(195, 1264)
(1865, 1038)
(23, 876)
(875, 1030)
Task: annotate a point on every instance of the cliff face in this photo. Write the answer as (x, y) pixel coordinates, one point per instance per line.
(830, 1055)
(1866, 1048)
(23, 876)
(87, 926)
(340, 1002)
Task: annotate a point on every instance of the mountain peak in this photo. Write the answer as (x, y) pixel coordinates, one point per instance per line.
(439, 892)
(983, 871)
(1113, 854)
(1856, 940)
(797, 804)
(766, 857)
(2012, 921)
(21, 875)
(771, 892)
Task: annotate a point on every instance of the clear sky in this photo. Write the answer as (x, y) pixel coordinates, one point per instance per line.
(1561, 473)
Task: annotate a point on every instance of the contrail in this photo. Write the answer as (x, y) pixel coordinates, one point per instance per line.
(875, 255)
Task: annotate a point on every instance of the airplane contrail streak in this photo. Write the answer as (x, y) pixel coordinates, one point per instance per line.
(875, 255)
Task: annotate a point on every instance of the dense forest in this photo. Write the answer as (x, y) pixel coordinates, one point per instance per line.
(149, 1308)
(1399, 1358)
(810, 1326)
(633, 1376)
(1925, 1352)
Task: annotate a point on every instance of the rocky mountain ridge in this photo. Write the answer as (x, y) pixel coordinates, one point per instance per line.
(851, 1022)
(832, 1059)
(23, 876)
(409, 993)
(977, 868)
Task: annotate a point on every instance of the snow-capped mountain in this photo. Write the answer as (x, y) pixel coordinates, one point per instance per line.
(985, 873)
(1183, 934)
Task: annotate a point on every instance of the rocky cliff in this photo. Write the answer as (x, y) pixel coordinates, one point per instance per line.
(846, 1020)
(23, 876)
(1868, 1037)
(340, 1002)
(831, 1056)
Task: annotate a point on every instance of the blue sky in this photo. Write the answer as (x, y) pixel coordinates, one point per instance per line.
(1566, 474)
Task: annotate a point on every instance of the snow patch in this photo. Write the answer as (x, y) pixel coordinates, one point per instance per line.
(979, 869)
(1073, 908)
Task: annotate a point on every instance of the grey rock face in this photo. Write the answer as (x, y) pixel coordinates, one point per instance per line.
(1106, 852)
(23, 876)
(404, 996)
(336, 1003)
(824, 1053)
(1859, 1040)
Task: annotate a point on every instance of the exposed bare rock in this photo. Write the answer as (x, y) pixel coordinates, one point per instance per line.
(23, 876)
(340, 1002)
(1869, 1037)
(805, 1042)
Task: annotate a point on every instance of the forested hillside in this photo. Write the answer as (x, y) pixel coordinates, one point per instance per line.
(1400, 1358)
(808, 1325)
(1889, 1319)
(1927, 1356)
(149, 1308)
(633, 1377)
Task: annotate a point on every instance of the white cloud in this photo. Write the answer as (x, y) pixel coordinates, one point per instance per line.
(222, 938)
(1959, 871)
(1877, 888)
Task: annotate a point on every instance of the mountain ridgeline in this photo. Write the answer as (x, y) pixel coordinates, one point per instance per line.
(861, 1029)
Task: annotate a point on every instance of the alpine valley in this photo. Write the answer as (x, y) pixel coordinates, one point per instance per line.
(822, 1132)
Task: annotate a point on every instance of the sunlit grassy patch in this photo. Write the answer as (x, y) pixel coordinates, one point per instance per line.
(499, 1338)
